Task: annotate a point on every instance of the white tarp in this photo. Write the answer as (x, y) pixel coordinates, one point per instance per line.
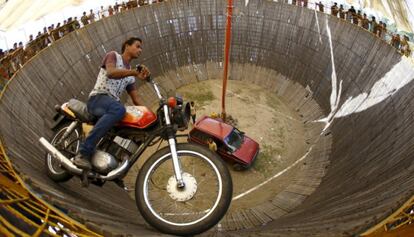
(21, 18)
(17, 12)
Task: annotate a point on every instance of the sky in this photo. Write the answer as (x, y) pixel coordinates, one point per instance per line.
(21, 18)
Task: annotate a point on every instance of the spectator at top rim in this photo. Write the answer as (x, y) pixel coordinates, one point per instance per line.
(91, 16)
(373, 25)
(321, 6)
(76, 23)
(116, 7)
(101, 13)
(110, 11)
(341, 12)
(335, 9)
(84, 19)
(395, 41)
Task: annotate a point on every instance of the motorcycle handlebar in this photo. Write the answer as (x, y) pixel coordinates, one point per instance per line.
(148, 78)
(154, 84)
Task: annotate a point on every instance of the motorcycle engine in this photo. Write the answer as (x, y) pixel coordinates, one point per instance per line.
(103, 162)
(108, 160)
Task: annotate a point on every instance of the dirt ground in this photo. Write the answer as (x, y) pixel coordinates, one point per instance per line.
(262, 116)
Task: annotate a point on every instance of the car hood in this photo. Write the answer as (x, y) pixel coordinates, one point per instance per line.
(247, 150)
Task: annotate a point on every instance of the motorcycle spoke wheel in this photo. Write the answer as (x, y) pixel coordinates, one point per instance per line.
(188, 205)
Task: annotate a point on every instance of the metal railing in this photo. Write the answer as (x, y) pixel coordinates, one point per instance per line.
(384, 34)
(401, 221)
(24, 214)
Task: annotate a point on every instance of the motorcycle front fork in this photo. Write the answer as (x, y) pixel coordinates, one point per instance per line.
(173, 149)
(176, 163)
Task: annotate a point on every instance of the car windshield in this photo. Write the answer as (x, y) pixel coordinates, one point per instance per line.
(234, 140)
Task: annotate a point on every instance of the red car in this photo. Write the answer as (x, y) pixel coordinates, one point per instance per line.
(231, 143)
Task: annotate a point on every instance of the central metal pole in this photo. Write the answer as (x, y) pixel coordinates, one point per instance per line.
(226, 57)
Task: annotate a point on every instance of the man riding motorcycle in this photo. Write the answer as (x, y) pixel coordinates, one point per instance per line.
(104, 103)
(183, 175)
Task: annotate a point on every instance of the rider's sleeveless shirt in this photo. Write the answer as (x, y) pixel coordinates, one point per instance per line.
(112, 87)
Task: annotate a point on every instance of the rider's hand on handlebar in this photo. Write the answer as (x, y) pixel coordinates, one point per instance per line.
(143, 72)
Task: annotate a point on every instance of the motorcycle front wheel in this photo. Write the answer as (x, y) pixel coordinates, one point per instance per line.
(190, 210)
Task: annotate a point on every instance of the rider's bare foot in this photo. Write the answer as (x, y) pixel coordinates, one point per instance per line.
(84, 179)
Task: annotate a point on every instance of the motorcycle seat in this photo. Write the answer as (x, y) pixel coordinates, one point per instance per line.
(80, 110)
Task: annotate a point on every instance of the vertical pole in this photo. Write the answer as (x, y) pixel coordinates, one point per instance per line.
(226, 57)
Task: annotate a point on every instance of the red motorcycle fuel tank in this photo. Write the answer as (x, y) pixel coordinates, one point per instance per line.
(138, 117)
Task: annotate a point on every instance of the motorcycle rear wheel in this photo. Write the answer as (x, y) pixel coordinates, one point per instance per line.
(193, 209)
(54, 169)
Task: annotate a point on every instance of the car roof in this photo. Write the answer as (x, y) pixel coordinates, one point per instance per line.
(213, 127)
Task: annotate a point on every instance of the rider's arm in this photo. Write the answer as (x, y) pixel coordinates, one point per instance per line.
(133, 93)
(117, 73)
(109, 64)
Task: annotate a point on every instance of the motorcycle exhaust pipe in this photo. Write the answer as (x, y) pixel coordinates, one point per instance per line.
(75, 170)
(58, 155)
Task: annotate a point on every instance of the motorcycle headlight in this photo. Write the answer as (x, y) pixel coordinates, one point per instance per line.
(181, 116)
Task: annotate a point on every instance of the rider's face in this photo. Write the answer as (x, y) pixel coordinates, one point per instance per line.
(135, 49)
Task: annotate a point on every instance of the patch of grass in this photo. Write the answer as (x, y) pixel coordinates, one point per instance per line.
(273, 101)
(278, 134)
(281, 134)
(200, 95)
(246, 100)
(238, 91)
(267, 160)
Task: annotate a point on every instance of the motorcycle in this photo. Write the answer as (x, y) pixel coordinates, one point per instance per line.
(182, 189)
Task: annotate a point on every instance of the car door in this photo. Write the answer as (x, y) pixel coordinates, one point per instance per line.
(222, 149)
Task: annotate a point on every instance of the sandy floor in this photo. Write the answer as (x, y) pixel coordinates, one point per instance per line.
(262, 116)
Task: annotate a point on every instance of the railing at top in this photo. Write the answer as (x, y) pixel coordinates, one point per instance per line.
(12, 62)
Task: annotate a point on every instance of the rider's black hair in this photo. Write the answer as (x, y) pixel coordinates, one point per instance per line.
(130, 41)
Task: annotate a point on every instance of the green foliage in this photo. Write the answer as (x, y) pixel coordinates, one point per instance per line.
(200, 95)
(267, 160)
(273, 101)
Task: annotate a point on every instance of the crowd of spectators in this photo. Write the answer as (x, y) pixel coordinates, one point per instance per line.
(12, 59)
(358, 17)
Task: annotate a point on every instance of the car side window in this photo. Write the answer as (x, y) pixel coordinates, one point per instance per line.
(199, 135)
